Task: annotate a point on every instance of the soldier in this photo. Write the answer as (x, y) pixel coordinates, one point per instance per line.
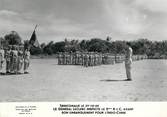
(103, 58)
(68, 58)
(85, 59)
(64, 58)
(26, 60)
(71, 58)
(128, 61)
(2, 52)
(76, 58)
(15, 59)
(20, 60)
(82, 57)
(8, 59)
(112, 59)
(96, 59)
(11, 68)
(100, 58)
(59, 59)
(91, 59)
(98, 55)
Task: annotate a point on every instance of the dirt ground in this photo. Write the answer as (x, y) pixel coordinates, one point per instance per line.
(48, 81)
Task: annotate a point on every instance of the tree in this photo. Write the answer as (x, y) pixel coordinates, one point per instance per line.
(2, 42)
(58, 47)
(48, 48)
(98, 45)
(83, 45)
(13, 38)
(118, 47)
(35, 50)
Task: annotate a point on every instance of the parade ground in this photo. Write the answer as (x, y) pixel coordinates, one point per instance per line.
(48, 81)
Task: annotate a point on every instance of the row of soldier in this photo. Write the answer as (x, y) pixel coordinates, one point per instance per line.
(83, 58)
(14, 60)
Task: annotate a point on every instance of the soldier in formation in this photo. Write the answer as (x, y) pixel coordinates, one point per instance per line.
(8, 59)
(15, 58)
(1, 58)
(85, 59)
(26, 60)
(20, 60)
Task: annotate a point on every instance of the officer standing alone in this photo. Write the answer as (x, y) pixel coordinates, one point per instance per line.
(128, 61)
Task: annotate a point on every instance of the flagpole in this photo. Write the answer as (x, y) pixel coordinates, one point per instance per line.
(35, 27)
(29, 46)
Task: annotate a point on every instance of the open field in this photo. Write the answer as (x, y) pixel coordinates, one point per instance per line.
(48, 81)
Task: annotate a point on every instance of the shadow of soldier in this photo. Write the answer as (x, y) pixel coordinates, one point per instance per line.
(6, 74)
(109, 80)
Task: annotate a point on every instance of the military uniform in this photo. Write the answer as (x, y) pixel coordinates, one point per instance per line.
(71, 58)
(64, 58)
(59, 59)
(96, 59)
(15, 61)
(85, 60)
(82, 57)
(1, 59)
(8, 61)
(128, 62)
(20, 61)
(100, 59)
(91, 59)
(26, 61)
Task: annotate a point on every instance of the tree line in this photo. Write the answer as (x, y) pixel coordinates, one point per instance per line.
(153, 49)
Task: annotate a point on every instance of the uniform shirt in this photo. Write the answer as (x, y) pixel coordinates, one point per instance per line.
(27, 55)
(7, 55)
(128, 55)
(20, 56)
(15, 53)
(2, 55)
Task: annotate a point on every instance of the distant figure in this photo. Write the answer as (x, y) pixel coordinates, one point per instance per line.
(128, 61)
(26, 61)
(11, 59)
(15, 59)
(86, 57)
(20, 60)
(8, 59)
(59, 59)
(2, 52)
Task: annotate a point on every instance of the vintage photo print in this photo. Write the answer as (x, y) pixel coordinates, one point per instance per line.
(94, 51)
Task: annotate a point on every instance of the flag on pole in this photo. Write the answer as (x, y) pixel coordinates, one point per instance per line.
(33, 40)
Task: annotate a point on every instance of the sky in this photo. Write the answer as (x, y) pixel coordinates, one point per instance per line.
(85, 19)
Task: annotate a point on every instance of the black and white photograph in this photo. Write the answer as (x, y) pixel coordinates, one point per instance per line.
(83, 51)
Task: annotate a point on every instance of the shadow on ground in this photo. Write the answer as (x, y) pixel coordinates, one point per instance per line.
(109, 80)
